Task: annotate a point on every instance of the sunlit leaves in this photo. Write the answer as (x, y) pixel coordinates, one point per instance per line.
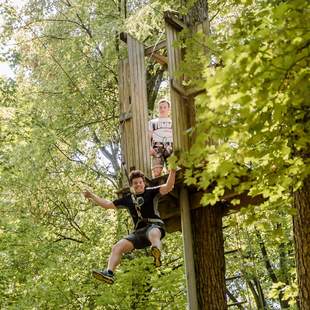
(257, 103)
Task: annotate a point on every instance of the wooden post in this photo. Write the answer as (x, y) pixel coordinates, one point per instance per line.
(127, 145)
(180, 123)
(188, 249)
(206, 234)
(179, 110)
(141, 143)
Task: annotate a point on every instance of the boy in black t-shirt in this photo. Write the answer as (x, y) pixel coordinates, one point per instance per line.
(149, 228)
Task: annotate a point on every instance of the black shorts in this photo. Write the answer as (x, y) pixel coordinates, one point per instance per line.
(139, 237)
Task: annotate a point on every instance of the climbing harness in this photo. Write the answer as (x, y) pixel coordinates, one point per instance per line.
(138, 202)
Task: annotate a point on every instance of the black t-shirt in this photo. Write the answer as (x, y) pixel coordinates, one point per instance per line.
(147, 201)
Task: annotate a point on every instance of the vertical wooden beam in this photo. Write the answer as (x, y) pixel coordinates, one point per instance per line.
(204, 241)
(125, 115)
(178, 108)
(188, 249)
(180, 124)
(141, 143)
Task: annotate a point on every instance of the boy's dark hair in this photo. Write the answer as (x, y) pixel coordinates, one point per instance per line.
(164, 100)
(136, 174)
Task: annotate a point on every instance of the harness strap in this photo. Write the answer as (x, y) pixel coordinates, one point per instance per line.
(137, 207)
(140, 218)
(161, 144)
(149, 220)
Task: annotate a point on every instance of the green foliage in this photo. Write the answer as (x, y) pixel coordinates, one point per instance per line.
(59, 136)
(43, 269)
(146, 24)
(256, 108)
(59, 127)
(262, 236)
(7, 92)
(252, 130)
(172, 162)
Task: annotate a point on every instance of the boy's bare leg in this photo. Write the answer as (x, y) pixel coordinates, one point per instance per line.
(121, 247)
(154, 237)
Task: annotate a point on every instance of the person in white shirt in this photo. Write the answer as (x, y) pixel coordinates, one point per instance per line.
(160, 131)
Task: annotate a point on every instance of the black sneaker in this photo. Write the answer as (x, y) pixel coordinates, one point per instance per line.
(155, 252)
(106, 276)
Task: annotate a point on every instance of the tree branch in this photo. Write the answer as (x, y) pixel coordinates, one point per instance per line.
(62, 237)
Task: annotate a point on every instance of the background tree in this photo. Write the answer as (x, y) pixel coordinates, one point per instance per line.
(256, 109)
(60, 136)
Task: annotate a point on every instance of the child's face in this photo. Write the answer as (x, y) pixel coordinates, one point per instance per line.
(157, 171)
(164, 109)
(138, 185)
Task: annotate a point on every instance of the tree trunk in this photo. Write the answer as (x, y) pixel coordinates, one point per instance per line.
(272, 275)
(237, 303)
(209, 257)
(154, 77)
(257, 292)
(301, 224)
(196, 14)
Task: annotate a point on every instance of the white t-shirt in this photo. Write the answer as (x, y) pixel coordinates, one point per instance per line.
(161, 129)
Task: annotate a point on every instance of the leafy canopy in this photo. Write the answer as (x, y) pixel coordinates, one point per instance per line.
(256, 109)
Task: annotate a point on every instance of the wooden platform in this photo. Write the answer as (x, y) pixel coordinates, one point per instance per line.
(169, 205)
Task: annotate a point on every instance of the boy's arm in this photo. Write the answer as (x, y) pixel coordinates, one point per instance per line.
(169, 185)
(104, 203)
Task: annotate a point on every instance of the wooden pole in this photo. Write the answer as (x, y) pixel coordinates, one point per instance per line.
(204, 241)
(179, 111)
(180, 123)
(138, 93)
(127, 144)
(188, 249)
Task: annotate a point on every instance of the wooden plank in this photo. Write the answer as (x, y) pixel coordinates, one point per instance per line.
(125, 109)
(133, 56)
(154, 48)
(169, 205)
(145, 141)
(139, 105)
(172, 18)
(186, 92)
(128, 125)
(163, 60)
(173, 224)
(179, 111)
(188, 249)
(151, 51)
